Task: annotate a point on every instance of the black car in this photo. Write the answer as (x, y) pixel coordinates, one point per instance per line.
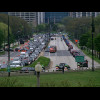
(61, 65)
(9, 49)
(47, 50)
(27, 69)
(84, 64)
(16, 49)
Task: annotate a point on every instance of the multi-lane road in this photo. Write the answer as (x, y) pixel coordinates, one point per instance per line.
(63, 55)
(4, 58)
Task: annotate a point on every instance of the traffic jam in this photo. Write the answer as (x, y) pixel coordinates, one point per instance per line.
(28, 52)
(75, 53)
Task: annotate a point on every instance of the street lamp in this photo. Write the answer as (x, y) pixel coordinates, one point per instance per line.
(93, 30)
(38, 69)
(8, 50)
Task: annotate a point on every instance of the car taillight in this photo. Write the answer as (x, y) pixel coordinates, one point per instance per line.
(56, 67)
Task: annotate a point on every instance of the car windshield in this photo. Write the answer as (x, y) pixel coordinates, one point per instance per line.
(24, 68)
(22, 55)
(61, 64)
(36, 50)
(15, 64)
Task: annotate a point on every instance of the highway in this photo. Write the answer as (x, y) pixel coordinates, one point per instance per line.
(4, 58)
(63, 55)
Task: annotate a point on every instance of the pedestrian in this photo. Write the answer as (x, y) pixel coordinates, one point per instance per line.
(63, 70)
(78, 65)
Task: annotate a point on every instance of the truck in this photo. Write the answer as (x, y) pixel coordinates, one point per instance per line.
(53, 49)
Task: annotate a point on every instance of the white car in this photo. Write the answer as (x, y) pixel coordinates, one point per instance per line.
(24, 54)
(16, 64)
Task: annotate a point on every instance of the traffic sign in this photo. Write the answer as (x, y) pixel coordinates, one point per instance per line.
(76, 41)
(79, 58)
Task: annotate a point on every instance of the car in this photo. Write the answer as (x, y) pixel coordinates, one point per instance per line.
(37, 52)
(52, 38)
(72, 51)
(61, 66)
(76, 53)
(32, 49)
(24, 54)
(38, 49)
(33, 57)
(84, 64)
(17, 59)
(21, 42)
(18, 48)
(70, 47)
(1, 50)
(27, 69)
(53, 49)
(47, 50)
(6, 49)
(3, 66)
(16, 64)
(30, 60)
(29, 52)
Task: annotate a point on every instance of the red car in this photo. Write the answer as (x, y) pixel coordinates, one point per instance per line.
(76, 54)
(70, 47)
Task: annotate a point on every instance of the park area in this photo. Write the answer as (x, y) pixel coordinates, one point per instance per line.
(55, 79)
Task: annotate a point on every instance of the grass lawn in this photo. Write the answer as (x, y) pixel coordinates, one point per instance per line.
(68, 79)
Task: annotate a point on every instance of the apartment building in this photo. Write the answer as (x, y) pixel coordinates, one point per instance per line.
(83, 14)
(31, 17)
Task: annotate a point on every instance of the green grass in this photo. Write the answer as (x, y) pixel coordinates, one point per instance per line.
(89, 54)
(68, 79)
(43, 61)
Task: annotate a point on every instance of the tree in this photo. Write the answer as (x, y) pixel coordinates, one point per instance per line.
(1, 38)
(84, 39)
(97, 43)
(4, 33)
(17, 24)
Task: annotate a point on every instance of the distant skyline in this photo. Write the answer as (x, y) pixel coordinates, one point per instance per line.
(37, 18)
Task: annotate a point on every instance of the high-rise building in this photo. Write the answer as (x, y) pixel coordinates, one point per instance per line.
(83, 14)
(41, 17)
(55, 17)
(31, 17)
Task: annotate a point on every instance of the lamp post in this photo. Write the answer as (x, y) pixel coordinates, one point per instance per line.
(38, 69)
(8, 50)
(93, 30)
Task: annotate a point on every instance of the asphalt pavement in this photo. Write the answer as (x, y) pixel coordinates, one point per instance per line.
(63, 55)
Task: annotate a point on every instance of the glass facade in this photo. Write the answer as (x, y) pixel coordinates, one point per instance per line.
(55, 17)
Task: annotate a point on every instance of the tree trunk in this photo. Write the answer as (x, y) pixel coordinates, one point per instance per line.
(99, 55)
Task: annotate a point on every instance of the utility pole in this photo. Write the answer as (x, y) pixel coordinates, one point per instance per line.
(93, 30)
(8, 50)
